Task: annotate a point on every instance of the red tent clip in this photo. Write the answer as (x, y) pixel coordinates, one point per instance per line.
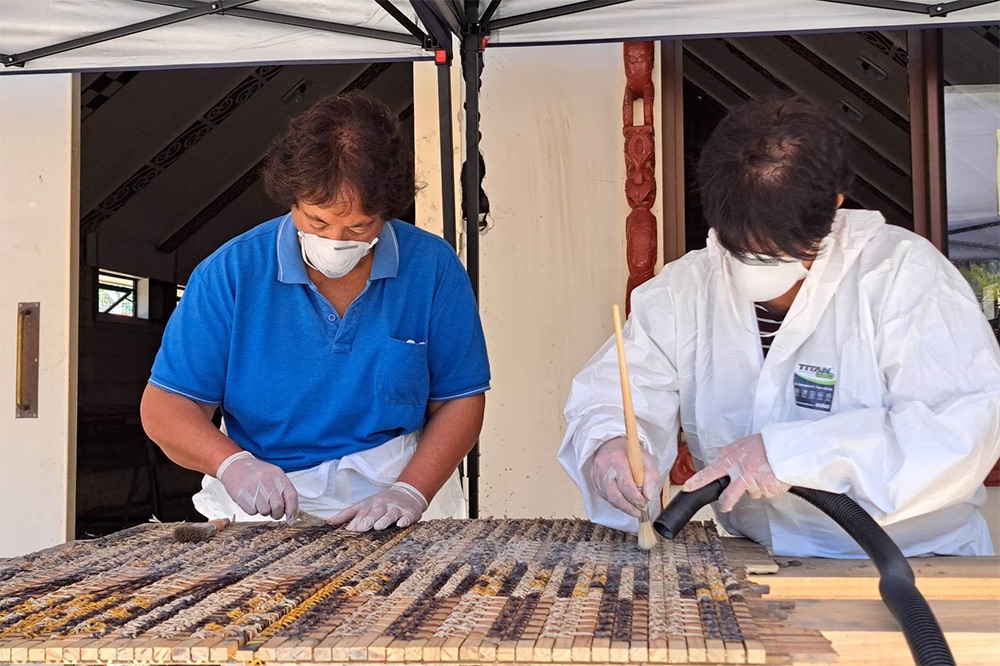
(440, 56)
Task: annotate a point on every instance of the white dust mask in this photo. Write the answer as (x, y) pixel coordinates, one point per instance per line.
(761, 281)
(333, 258)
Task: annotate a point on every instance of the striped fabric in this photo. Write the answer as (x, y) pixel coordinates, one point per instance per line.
(768, 323)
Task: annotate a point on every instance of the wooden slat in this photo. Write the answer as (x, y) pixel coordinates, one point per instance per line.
(955, 578)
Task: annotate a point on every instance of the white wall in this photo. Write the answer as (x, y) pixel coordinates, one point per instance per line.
(552, 262)
(39, 255)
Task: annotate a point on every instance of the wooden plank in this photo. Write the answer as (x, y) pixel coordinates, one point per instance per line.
(756, 654)
(451, 647)
(659, 652)
(340, 648)
(358, 651)
(638, 652)
(562, 650)
(432, 649)
(89, 652)
(413, 651)
(524, 651)
(143, 654)
(600, 650)
(619, 652)
(878, 648)
(580, 649)
(750, 555)
(223, 651)
(36, 653)
(715, 651)
(861, 615)
(71, 652)
(958, 578)
(696, 650)
(19, 650)
(504, 651)
(470, 646)
(269, 650)
(678, 650)
(736, 652)
(378, 648)
(543, 650)
(181, 650)
(295, 651)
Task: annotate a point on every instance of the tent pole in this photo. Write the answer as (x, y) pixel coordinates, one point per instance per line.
(471, 44)
(447, 152)
(932, 10)
(202, 9)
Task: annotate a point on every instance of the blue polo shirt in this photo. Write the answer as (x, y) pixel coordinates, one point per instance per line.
(297, 383)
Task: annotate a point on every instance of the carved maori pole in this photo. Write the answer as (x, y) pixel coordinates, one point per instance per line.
(640, 192)
(640, 166)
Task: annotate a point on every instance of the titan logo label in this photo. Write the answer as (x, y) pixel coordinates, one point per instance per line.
(818, 371)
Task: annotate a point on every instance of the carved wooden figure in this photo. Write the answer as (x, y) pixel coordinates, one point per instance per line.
(640, 165)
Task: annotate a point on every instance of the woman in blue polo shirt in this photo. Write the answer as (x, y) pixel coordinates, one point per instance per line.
(343, 346)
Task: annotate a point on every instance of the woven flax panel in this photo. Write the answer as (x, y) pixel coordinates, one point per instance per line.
(478, 591)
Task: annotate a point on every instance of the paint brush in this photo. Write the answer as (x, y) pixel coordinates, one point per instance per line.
(196, 532)
(647, 536)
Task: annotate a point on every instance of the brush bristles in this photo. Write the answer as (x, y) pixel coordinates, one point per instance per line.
(647, 535)
(194, 533)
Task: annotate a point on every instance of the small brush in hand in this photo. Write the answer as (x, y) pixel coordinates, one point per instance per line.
(195, 532)
(647, 535)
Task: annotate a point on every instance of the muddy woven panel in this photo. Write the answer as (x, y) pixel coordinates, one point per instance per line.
(440, 591)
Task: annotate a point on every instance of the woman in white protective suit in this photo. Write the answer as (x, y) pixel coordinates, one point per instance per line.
(806, 345)
(343, 346)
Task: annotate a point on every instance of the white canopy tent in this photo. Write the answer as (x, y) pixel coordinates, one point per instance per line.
(195, 33)
(38, 36)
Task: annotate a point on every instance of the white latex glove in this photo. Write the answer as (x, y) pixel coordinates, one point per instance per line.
(258, 487)
(745, 461)
(401, 504)
(609, 474)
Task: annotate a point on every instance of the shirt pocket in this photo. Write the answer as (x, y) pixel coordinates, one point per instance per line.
(403, 377)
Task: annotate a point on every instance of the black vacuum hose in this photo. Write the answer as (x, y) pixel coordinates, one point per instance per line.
(896, 581)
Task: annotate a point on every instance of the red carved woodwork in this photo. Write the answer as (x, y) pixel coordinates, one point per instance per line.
(683, 468)
(993, 478)
(640, 166)
(640, 243)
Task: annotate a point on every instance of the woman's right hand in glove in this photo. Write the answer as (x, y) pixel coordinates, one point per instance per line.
(259, 487)
(610, 475)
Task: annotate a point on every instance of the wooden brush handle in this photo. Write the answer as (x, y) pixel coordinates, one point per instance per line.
(220, 523)
(633, 449)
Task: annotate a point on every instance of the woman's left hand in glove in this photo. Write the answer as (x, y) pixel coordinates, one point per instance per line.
(401, 504)
(745, 462)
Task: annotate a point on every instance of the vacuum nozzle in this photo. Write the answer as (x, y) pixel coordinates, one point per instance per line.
(683, 506)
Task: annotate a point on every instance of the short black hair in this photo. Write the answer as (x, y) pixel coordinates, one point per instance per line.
(343, 145)
(769, 177)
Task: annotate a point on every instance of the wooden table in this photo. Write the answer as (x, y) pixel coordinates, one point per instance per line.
(840, 600)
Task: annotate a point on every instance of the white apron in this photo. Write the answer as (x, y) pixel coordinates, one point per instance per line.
(330, 487)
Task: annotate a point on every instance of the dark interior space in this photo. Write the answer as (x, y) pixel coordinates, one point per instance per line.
(169, 172)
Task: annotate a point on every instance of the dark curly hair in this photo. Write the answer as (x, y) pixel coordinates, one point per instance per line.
(769, 177)
(341, 146)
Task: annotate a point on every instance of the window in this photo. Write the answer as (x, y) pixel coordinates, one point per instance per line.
(180, 292)
(117, 294)
(972, 132)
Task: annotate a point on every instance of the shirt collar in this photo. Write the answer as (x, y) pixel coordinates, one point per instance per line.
(292, 270)
(385, 263)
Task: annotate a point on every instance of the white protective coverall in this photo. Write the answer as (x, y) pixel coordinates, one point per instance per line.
(910, 431)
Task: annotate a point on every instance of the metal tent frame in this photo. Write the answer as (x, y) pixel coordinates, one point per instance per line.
(443, 20)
